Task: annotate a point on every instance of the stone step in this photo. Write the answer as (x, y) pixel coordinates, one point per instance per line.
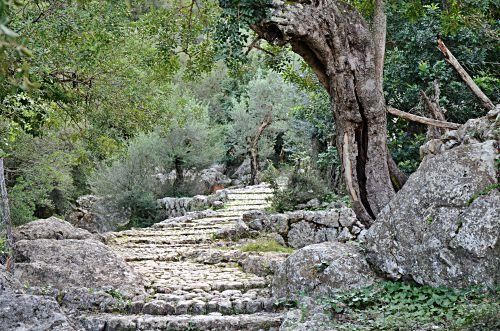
(201, 253)
(255, 190)
(229, 302)
(220, 219)
(167, 277)
(249, 196)
(246, 207)
(253, 202)
(218, 322)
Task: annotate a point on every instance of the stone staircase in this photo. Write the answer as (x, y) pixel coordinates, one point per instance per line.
(194, 282)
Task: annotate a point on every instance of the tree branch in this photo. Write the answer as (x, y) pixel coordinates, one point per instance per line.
(422, 120)
(464, 75)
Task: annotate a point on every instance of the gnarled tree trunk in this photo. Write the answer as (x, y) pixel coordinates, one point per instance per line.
(335, 40)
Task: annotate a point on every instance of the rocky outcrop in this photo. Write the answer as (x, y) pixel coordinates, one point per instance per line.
(175, 207)
(322, 269)
(96, 214)
(443, 228)
(21, 311)
(52, 253)
(301, 228)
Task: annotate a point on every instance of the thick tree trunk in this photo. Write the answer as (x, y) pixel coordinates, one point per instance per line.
(335, 40)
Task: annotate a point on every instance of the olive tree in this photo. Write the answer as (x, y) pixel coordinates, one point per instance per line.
(258, 117)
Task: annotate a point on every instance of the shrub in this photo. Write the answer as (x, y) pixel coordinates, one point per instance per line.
(40, 178)
(302, 187)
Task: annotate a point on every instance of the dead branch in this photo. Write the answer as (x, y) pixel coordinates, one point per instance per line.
(465, 76)
(422, 120)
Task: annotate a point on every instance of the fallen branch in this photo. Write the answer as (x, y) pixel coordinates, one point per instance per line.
(422, 120)
(465, 76)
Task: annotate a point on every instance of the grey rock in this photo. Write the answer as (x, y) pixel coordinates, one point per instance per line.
(74, 263)
(310, 316)
(345, 235)
(279, 223)
(432, 233)
(262, 264)
(20, 312)
(347, 217)
(301, 234)
(328, 218)
(322, 269)
(50, 228)
(97, 214)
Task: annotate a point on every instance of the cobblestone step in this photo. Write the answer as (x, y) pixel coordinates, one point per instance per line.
(194, 282)
(216, 322)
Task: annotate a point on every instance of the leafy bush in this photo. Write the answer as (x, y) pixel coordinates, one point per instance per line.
(302, 187)
(400, 306)
(40, 177)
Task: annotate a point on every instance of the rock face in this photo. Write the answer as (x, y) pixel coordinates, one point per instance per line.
(443, 227)
(20, 311)
(50, 252)
(302, 228)
(322, 269)
(96, 214)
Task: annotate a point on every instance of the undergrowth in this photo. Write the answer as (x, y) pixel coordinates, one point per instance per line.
(400, 306)
(265, 245)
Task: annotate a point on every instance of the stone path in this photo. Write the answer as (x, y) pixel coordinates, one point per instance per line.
(194, 281)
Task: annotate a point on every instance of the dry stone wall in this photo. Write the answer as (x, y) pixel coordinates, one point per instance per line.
(301, 228)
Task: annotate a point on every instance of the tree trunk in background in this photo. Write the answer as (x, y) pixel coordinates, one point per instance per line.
(336, 42)
(7, 224)
(379, 37)
(254, 164)
(179, 174)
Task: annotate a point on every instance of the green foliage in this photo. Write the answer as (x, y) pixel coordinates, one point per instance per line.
(267, 98)
(400, 306)
(232, 31)
(265, 245)
(41, 173)
(302, 187)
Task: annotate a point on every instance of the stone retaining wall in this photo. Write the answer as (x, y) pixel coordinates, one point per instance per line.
(175, 207)
(301, 228)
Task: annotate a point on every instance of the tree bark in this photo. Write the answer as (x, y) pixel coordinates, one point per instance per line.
(379, 37)
(254, 148)
(465, 76)
(435, 112)
(9, 244)
(336, 42)
(422, 120)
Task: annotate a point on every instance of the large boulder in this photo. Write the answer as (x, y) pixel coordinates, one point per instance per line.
(322, 269)
(20, 311)
(50, 259)
(443, 227)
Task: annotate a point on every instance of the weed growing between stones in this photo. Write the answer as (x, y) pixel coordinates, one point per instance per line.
(265, 245)
(401, 306)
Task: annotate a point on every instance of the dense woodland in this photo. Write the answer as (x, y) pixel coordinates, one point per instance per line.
(98, 96)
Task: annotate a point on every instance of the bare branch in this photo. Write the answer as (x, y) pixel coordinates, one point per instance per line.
(422, 120)
(465, 76)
